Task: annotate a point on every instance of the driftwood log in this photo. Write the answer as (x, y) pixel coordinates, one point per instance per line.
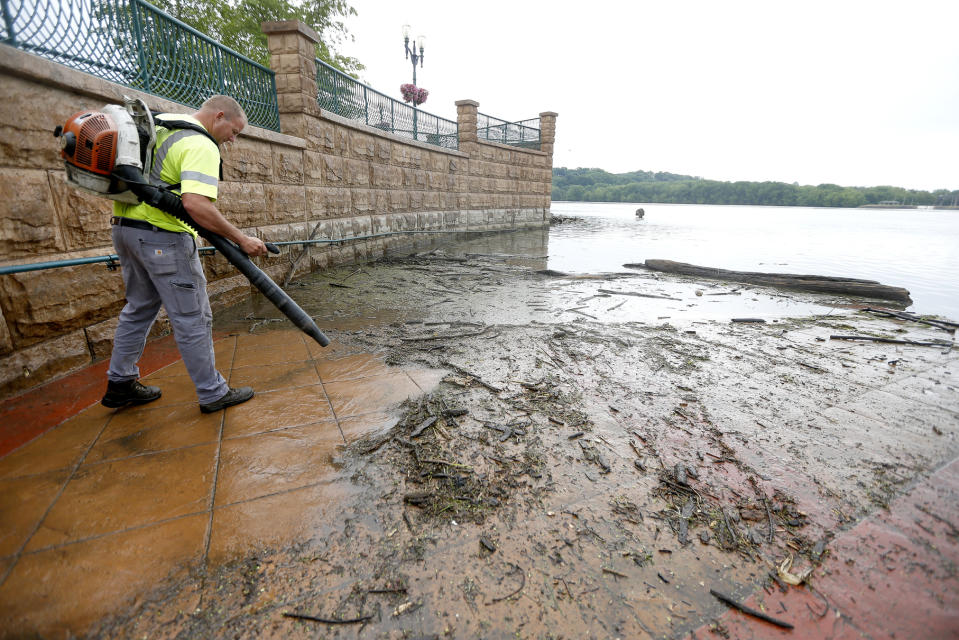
(820, 284)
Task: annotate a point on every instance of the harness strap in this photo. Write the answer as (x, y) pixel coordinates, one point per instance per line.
(183, 129)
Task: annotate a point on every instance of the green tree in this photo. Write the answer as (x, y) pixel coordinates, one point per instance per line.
(236, 24)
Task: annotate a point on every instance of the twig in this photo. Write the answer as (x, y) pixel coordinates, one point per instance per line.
(916, 343)
(748, 610)
(300, 616)
(521, 586)
(446, 336)
(614, 572)
(462, 371)
(616, 306)
(631, 293)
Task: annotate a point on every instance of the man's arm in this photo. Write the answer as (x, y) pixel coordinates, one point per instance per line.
(209, 217)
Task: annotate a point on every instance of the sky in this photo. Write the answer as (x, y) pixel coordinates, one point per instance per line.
(846, 92)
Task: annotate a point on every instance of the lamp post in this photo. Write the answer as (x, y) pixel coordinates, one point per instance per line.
(411, 53)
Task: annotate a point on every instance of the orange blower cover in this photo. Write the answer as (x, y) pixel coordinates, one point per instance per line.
(92, 145)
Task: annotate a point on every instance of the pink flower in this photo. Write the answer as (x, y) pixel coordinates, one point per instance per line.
(412, 93)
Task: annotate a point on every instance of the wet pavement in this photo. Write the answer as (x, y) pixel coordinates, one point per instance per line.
(578, 459)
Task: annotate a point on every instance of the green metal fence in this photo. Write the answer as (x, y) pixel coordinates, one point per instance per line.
(347, 97)
(524, 133)
(131, 42)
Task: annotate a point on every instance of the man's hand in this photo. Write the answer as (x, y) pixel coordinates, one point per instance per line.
(253, 246)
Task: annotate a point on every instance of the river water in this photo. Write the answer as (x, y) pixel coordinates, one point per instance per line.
(915, 249)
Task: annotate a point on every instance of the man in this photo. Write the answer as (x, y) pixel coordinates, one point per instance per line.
(161, 265)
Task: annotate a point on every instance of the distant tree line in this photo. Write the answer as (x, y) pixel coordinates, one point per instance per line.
(596, 185)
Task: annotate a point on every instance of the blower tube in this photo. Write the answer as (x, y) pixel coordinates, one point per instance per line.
(170, 203)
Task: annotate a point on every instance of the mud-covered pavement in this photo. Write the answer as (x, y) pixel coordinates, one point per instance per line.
(601, 451)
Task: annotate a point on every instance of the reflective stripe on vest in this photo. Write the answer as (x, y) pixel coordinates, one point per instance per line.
(162, 152)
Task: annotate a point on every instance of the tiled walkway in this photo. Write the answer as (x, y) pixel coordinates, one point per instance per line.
(108, 503)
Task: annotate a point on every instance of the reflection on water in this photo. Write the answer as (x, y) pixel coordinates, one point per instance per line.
(915, 249)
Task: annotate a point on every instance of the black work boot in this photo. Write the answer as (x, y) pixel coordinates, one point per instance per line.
(230, 398)
(120, 394)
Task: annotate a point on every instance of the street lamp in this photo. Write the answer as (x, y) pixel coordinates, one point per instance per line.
(411, 54)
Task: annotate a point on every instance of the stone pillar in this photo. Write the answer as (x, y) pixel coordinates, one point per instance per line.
(547, 133)
(466, 119)
(547, 139)
(292, 47)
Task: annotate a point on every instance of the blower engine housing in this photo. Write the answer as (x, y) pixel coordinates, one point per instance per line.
(94, 144)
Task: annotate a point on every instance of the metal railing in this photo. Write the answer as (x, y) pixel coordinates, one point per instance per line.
(525, 133)
(350, 98)
(132, 43)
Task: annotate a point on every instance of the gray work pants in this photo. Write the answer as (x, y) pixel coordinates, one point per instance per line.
(164, 268)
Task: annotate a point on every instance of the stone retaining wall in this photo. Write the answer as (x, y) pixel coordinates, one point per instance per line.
(324, 177)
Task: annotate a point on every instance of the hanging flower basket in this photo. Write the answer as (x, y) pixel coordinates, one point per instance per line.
(412, 93)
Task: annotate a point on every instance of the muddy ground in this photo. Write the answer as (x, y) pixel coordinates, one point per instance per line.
(600, 454)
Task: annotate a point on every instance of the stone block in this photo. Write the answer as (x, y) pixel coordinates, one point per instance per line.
(381, 201)
(328, 202)
(43, 362)
(341, 254)
(6, 342)
(321, 135)
(431, 200)
(83, 219)
(357, 172)
(286, 63)
(341, 228)
(416, 200)
(362, 146)
(288, 166)
(399, 200)
(381, 176)
(362, 226)
(28, 226)
(215, 266)
(399, 155)
(416, 157)
(396, 177)
(314, 168)
(28, 113)
(244, 204)
(99, 338)
(384, 150)
(477, 220)
(287, 204)
(420, 180)
(438, 162)
(447, 200)
(400, 222)
(334, 169)
(227, 292)
(379, 223)
(436, 181)
(364, 202)
(39, 305)
(319, 258)
(248, 160)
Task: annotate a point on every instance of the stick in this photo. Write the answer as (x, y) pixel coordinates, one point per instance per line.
(930, 343)
(638, 295)
(521, 586)
(758, 614)
(615, 573)
(300, 616)
(616, 306)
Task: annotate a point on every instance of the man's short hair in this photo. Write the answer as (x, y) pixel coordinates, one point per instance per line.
(227, 105)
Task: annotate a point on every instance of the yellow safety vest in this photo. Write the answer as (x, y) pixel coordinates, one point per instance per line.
(181, 157)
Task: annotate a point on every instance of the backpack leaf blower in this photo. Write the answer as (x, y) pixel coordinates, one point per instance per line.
(108, 152)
